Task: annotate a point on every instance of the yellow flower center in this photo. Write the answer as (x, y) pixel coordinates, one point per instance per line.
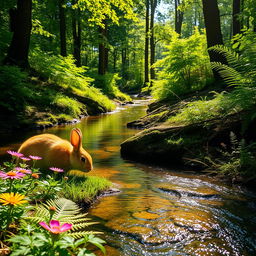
(12, 200)
(11, 173)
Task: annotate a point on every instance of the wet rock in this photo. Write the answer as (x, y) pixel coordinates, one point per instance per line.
(156, 115)
(110, 191)
(180, 194)
(169, 145)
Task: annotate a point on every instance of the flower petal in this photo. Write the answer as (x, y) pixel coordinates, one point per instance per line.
(44, 225)
(54, 223)
(65, 227)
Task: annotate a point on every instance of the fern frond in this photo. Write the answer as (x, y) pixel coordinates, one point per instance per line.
(232, 57)
(229, 74)
(67, 211)
(83, 233)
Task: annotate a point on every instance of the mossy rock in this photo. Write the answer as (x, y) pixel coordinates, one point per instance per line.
(168, 145)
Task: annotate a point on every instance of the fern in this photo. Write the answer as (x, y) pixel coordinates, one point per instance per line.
(66, 211)
(240, 70)
(229, 74)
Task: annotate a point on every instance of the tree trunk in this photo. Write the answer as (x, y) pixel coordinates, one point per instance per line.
(103, 51)
(178, 17)
(213, 31)
(76, 30)
(146, 60)
(236, 22)
(20, 23)
(114, 60)
(124, 62)
(153, 4)
(62, 23)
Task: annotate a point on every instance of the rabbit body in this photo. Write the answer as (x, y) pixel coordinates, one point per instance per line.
(56, 152)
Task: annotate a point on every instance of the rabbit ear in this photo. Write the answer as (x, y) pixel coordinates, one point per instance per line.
(76, 138)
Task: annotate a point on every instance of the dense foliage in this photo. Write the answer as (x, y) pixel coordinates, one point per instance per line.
(185, 68)
(30, 200)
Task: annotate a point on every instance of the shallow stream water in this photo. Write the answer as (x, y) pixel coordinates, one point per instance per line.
(159, 211)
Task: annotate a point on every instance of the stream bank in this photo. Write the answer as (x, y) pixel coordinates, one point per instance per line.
(207, 145)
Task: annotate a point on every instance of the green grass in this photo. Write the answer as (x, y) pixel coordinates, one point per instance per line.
(68, 105)
(223, 104)
(84, 189)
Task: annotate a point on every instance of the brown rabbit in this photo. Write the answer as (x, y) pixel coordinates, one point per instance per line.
(56, 152)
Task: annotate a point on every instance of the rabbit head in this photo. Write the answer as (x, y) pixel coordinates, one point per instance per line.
(79, 158)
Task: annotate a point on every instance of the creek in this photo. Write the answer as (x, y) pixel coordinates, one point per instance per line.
(159, 211)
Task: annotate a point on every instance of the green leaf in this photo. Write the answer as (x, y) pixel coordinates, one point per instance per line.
(21, 251)
(97, 242)
(235, 45)
(85, 252)
(24, 240)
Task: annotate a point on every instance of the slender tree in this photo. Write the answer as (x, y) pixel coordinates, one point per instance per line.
(178, 17)
(153, 5)
(236, 24)
(62, 24)
(103, 50)
(76, 31)
(20, 25)
(213, 31)
(146, 54)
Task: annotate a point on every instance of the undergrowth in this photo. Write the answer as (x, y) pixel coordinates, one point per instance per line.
(185, 68)
(84, 189)
(108, 83)
(68, 76)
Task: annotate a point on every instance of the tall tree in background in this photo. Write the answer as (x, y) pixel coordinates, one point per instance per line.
(236, 24)
(20, 25)
(76, 32)
(153, 5)
(146, 56)
(213, 31)
(103, 50)
(62, 23)
(178, 17)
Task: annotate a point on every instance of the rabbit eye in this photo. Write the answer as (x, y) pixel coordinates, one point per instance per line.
(83, 159)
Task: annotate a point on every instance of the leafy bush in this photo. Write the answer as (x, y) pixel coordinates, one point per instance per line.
(15, 90)
(66, 74)
(109, 85)
(185, 68)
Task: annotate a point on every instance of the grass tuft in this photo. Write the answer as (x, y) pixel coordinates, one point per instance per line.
(84, 189)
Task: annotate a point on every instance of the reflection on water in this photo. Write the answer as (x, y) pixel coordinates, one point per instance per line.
(161, 212)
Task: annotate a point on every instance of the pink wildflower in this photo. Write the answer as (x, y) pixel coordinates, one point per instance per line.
(55, 227)
(25, 158)
(14, 153)
(36, 157)
(11, 175)
(55, 169)
(23, 170)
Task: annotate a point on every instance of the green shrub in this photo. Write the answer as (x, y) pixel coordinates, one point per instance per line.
(66, 74)
(185, 68)
(15, 90)
(109, 85)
